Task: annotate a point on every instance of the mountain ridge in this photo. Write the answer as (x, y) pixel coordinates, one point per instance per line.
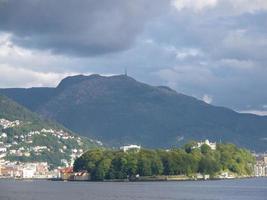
(119, 110)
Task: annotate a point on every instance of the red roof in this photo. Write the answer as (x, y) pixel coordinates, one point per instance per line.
(67, 170)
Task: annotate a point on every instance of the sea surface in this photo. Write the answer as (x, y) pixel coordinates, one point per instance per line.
(245, 189)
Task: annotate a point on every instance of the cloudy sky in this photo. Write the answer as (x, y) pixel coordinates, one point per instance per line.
(215, 50)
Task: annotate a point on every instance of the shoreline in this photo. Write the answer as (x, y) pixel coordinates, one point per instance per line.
(140, 179)
(146, 179)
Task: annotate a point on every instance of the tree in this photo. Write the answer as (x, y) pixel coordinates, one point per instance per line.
(108, 164)
(190, 146)
(209, 166)
(131, 164)
(205, 149)
(102, 169)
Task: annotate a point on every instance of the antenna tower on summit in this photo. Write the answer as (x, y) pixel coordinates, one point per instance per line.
(125, 71)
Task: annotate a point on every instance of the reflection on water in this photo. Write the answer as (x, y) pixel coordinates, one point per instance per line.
(247, 189)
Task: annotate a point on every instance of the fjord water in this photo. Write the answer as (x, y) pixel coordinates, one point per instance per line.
(246, 189)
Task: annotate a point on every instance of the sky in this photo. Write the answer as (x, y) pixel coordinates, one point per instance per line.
(214, 50)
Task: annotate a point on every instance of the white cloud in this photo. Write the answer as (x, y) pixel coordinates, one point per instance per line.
(7, 48)
(237, 64)
(207, 98)
(20, 67)
(250, 6)
(255, 112)
(196, 5)
(14, 77)
(149, 41)
(16, 56)
(182, 53)
(240, 39)
(189, 78)
(225, 7)
(185, 53)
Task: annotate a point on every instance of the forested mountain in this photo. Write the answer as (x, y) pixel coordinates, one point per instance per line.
(120, 110)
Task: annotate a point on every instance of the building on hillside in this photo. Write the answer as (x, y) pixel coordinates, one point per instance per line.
(212, 145)
(130, 147)
(3, 149)
(260, 168)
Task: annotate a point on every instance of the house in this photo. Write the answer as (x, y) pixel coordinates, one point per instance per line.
(260, 168)
(80, 176)
(212, 145)
(29, 170)
(130, 147)
(4, 135)
(8, 171)
(28, 173)
(3, 149)
(65, 173)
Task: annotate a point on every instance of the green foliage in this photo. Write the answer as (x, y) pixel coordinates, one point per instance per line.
(110, 164)
(205, 149)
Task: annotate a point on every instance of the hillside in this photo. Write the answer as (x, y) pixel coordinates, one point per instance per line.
(27, 137)
(120, 110)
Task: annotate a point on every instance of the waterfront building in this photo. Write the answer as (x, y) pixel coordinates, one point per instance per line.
(260, 168)
(65, 173)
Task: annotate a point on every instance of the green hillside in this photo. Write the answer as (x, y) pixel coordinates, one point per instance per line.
(28, 138)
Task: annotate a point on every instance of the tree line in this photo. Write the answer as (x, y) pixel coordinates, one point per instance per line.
(189, 160)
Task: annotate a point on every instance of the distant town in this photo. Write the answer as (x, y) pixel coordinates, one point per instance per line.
(41, 170)
(18, 151)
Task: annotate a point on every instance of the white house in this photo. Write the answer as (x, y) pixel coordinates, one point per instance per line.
(4, 135)
(212, 145)
(130, 147)
(29, 170)
(3, 149)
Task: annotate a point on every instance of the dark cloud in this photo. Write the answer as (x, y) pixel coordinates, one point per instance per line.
(80, 27)
(216, 51)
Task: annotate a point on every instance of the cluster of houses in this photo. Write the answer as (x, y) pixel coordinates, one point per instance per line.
(9, 124)
(33, 170)
(14, 147)
(38, 170)
(260, 168)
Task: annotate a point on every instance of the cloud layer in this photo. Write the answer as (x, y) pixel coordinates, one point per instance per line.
(214, 50)
(76, 26)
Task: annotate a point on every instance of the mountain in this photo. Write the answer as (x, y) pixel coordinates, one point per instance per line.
(27, 137)
(119, 110)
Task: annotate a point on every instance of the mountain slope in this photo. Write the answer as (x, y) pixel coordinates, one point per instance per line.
(120, 110)
(27, 137)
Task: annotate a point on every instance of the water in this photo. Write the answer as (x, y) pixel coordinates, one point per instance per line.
(247, 189)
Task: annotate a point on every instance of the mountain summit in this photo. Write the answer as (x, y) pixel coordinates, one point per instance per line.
(120, 110)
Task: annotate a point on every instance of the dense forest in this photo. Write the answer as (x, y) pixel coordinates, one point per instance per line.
(189, 160)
